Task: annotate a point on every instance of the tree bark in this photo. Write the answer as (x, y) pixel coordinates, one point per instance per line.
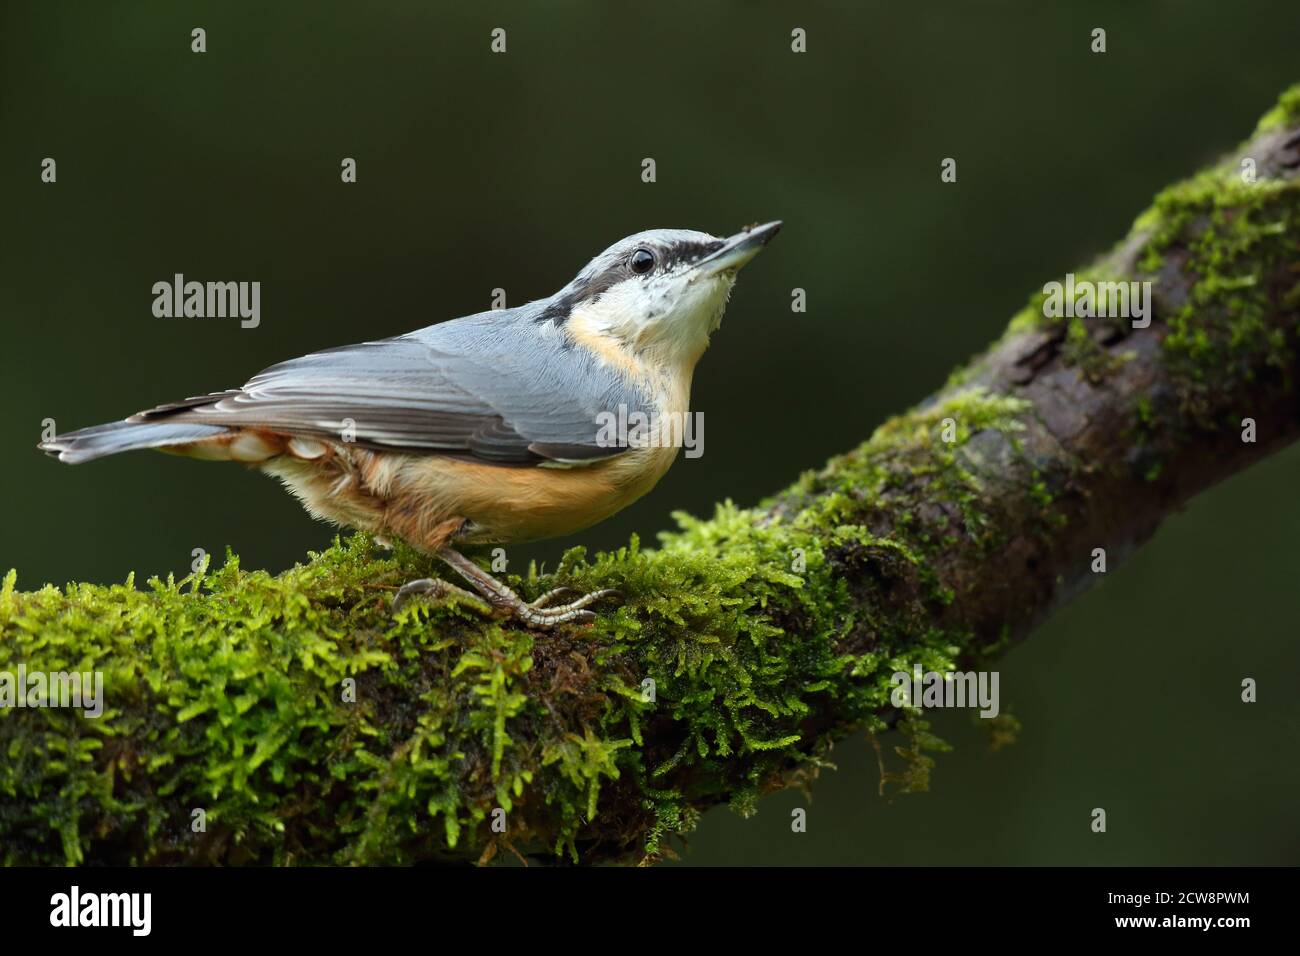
(297, 722)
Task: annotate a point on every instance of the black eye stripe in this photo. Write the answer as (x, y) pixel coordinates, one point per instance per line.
(680, 253)
(685, 253)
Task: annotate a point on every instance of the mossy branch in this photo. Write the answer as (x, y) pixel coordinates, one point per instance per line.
(310, 727)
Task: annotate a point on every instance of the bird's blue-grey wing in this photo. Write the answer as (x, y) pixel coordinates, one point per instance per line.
(489, 387)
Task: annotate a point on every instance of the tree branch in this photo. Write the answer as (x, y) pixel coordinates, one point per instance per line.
(299, 723)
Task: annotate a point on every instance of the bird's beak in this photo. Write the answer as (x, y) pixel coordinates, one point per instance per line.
(739, 249)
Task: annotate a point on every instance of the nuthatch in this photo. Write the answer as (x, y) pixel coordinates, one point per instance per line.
(483, 429)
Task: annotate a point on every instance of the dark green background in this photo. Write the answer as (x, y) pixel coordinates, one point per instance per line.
(480, 170)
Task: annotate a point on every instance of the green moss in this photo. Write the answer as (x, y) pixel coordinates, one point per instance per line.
(914, 776)
(1003, 730)
(1230, 236)
(1082, 351)
(1232, 239)
(1145, 416)
(1285, 114)
(1226, 234)
(1028, 318)
(229, 696)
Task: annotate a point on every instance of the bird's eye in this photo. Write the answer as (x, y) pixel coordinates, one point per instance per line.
(642, 261)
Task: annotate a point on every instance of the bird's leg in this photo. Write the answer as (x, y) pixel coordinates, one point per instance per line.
(500, 599)
(536, 614)
(435, 587)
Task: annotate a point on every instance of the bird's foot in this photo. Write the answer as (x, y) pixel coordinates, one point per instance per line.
(436, 588)
(541, 614)
(500, 601)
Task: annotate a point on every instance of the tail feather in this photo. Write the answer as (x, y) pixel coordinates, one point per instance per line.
(101, 440)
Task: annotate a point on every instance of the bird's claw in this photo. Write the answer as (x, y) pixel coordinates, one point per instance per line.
(410, 589)
(551, 595)
(433, 588)
(541, 615)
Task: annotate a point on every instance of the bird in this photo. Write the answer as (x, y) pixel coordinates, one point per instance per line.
(492, 428)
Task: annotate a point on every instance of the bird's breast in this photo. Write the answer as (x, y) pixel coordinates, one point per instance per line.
(523, 504)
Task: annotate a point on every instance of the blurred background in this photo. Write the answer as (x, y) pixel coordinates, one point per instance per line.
(479, 170)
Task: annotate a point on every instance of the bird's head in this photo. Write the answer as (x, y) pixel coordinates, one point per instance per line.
(658, 294)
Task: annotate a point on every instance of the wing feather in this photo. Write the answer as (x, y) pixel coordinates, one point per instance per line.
(493, 387)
